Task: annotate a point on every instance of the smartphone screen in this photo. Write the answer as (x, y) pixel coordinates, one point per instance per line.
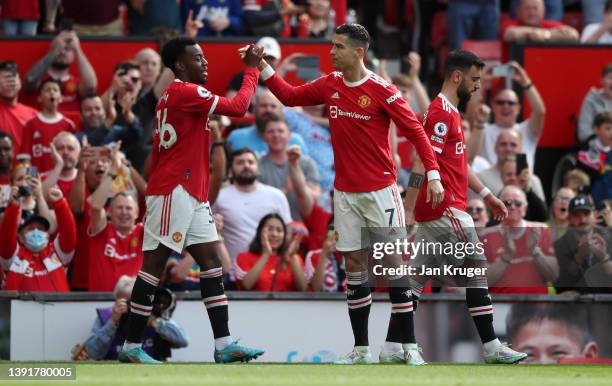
(521, 163)
(308, 67)
(32, 171)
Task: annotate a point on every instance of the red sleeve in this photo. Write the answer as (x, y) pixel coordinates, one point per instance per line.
(66, 226)
(8, 231)
(409, 126)
(242, 266)
(438, 123)
(309, 94)
(239, 104)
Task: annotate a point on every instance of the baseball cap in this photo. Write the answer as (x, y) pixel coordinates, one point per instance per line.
(36, 218)
(270, 46)
(581, 202)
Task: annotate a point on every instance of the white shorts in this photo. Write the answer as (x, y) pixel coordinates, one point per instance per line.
(177, 220)
(455, 227)
(379, 209)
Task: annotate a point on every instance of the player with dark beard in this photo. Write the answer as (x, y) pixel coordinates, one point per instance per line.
(450, 222)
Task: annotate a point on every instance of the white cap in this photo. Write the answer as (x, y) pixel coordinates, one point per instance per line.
(270, 46)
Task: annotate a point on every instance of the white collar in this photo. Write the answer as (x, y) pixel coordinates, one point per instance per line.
(601, 147)
(359, 82)
(58, 117)
(452, 106)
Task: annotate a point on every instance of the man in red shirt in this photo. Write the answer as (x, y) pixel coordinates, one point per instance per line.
(65, 48)
(361, 106)
(40, 131)
(13, 115)
(449, 223)
(178, 214)
(115, 244)
(530, 26)
(32, 262)
(520, 255)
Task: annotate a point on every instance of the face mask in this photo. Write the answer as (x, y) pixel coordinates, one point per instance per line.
(36, 240)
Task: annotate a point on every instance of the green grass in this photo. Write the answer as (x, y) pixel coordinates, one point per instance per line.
(106, 373)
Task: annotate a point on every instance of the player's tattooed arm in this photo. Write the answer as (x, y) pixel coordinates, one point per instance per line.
(414, 185)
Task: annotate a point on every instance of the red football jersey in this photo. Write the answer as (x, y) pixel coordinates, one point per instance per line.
(20, 10)
(522, 275)
(360, 114)
(181, 139)
(442, 124)
(113, 255)
(65, 185)
(272, 277)
(38, 134)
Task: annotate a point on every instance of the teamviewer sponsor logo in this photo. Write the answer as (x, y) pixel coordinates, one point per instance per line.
(335, 112)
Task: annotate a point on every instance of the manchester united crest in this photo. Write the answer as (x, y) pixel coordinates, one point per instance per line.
(364, 101)
(177, 237)
(134, 242)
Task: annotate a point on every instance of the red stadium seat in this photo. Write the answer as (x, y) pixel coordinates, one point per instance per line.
(488, 50)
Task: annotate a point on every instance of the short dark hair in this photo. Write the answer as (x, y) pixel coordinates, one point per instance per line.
(602, 118)
(606, 70)
(173, 50)
(4, 134)
(9, 66)
(50, 80)
(572, 315)
(608, 7)
(356, 33)
(272, 118)
(255, 246)
(461, 60)
(87, 96)
(239, 152)
(126, 66)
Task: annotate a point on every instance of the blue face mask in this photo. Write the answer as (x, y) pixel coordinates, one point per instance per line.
(36, 240)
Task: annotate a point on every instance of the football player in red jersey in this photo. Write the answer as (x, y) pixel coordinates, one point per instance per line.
(361, 106)
(450, 223)
(178, 213)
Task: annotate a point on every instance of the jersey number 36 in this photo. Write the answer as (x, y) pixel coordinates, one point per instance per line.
(167, 134)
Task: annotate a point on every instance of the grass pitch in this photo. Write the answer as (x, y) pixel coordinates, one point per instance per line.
(107, 373)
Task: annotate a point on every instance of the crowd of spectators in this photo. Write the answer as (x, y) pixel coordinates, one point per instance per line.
(72, 194)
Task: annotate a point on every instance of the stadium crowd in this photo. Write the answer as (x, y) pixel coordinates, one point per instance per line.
(72, 195)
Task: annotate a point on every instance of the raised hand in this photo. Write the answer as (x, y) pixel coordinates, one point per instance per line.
(266, 249)
(58, 161)
(251, 55)
(192, 26)
(55, 194)
(294, 153)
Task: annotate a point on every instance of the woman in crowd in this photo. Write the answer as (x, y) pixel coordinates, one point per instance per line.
(271, 264)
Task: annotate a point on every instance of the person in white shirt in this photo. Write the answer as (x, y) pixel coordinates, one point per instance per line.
(506, 109)
(245, 202)
(599, 33)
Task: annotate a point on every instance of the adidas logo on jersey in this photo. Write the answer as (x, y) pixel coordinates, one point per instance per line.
(335, 95)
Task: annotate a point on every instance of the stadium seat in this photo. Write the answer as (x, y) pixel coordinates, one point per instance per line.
(488, 50)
